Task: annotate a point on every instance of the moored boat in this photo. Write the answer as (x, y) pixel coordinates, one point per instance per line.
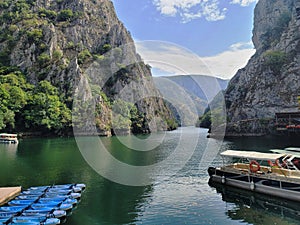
(35, 220)
(266, 173)
(42, 205)
(49, 214)
(9, 138)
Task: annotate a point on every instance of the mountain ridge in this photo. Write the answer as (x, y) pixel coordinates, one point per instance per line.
(195, 92)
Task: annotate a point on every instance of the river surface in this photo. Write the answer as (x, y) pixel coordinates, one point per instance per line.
(175, 189)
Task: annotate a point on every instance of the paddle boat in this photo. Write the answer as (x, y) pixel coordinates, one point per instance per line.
(35, 220)
(23, 196)
(60, 214)
(43, 201)
(266, 173)
(46, 205)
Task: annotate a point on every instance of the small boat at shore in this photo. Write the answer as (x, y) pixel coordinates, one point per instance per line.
(266, 173)
(8, 138)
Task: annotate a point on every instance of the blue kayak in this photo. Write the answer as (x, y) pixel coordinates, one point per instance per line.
(57, 188)
(4, 220)
(49, 214)
(47, 201)
(21, 202)
(72, 195)
(58, 200)
(23, 196)
(69, 186)
(41, 188)
(7, 214)
(12, 208)
(35, 220)
(39, 193)
(60, 186)
(65, 207)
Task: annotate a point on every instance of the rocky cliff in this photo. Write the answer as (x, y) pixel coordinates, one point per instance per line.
(270, 81)
(65, 41)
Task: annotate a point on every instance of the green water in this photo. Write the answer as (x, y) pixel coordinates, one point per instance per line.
(183, 197)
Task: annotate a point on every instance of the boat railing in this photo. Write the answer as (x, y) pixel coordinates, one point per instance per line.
(244, 167)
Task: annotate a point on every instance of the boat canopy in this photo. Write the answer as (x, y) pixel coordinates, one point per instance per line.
(252, 155)
(287, 152)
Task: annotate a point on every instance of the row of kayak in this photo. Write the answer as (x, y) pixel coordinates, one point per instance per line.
(43, 205)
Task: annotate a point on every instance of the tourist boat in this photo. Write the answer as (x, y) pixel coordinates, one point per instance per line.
(266, 173)
(9, 138)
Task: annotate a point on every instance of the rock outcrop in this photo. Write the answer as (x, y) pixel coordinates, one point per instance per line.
(63, 40)
(270, 81)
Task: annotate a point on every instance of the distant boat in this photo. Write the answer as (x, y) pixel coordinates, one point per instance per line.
(9, 138)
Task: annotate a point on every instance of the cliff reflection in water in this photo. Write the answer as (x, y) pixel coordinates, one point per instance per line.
(257, 209)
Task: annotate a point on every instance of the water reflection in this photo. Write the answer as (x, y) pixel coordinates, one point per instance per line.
(9, 150)
(121, 164)
(113, 204)
(263, 144)
(184, 198)
(258, 209)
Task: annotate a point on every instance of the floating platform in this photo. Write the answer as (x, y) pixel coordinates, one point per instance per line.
(8, 193)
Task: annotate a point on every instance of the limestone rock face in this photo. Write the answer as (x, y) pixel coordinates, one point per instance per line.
(270, 81)
(63, 40)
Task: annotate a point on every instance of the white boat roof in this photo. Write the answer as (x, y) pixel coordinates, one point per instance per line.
(252, 155)
(6, 134)
(287, 152)
(293, 149)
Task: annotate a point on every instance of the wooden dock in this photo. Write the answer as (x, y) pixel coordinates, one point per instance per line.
(8, 193)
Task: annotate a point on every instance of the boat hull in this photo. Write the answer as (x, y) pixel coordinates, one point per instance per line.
(285, 190)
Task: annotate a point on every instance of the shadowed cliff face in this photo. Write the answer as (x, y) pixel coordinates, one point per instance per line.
(65, 41)
(270, 81)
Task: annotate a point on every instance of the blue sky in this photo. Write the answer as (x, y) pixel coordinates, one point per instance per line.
(216, 32)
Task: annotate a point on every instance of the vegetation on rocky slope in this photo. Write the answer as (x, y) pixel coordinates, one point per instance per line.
(49, 46)
(27, 107)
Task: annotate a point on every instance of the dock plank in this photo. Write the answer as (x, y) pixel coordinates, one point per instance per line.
(8, 193)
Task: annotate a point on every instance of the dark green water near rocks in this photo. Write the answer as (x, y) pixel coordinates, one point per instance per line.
(183, 197)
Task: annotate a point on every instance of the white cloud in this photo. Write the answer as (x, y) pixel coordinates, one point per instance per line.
(243, 2)
(191, 9)
(171, 58)
(241, 45)
(227, 63)
(175, 60)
